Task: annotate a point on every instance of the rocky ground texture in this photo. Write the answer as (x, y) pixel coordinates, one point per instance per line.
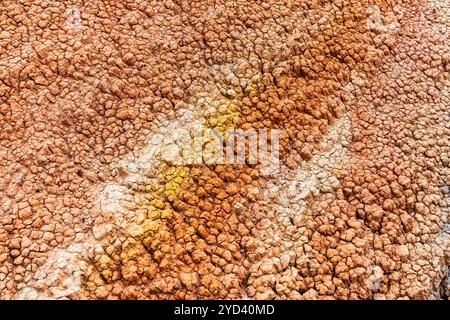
(92, 92)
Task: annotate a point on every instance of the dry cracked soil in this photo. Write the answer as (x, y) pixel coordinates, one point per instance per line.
(93, 94)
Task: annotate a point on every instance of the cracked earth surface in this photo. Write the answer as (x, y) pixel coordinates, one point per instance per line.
(92, 94)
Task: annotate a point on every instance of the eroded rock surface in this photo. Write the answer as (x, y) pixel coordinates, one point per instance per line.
(92, 94)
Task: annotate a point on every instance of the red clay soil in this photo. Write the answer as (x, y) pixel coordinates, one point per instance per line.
(359, 90)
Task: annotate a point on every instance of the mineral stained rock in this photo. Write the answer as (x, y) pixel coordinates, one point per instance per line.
(95, 97)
